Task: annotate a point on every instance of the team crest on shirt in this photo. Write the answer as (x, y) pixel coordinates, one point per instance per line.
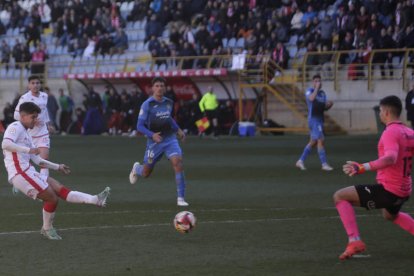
(12, 130)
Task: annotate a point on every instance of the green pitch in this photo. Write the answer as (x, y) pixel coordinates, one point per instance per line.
(257, 214)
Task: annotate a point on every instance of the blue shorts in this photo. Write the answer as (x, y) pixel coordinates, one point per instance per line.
(316, 129)
(154, 151)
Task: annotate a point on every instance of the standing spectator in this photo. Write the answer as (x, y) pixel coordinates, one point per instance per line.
(32, 34)
(280, 55)
(5, 54)
(409, 106)
(209, 106)
(66, 107)
(8, 113)
(93, 123)
(52, 107)
(153, 27)
(44, 13)
(38, 60)
(317, 104)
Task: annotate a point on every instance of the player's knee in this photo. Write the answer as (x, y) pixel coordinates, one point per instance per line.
(337, 197)
(388, 216)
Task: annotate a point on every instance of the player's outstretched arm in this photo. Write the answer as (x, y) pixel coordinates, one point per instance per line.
(50, 165)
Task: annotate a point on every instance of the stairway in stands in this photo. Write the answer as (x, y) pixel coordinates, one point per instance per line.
(283, 94)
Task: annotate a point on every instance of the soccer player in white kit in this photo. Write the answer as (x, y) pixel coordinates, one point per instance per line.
(40, 132)
(18, 150)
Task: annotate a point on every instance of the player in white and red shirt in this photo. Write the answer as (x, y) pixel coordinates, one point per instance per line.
(19, 150)
(40, 132)
(393, 188)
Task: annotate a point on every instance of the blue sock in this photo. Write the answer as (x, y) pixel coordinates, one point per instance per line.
(306, 152)
(322, 155)
(180, 181)
(139, 170)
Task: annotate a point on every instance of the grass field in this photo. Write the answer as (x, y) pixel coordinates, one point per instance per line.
(257, 214)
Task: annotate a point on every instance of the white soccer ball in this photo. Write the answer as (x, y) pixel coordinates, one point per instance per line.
(184, 222)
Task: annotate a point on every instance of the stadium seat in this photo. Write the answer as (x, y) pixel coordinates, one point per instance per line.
(224, 42)
(292, 50)
(232, 43)
(293, 39)
(240, 42)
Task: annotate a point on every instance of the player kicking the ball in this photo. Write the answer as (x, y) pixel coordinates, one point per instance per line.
(393, 188)
(18, 150)
(156, 123)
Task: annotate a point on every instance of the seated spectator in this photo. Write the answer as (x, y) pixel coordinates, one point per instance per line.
(5, 52)
(39, 57)
(120, 42)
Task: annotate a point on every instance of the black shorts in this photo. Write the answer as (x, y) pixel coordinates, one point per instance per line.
(376, 197)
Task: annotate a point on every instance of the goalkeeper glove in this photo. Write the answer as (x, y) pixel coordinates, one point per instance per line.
(352, 168)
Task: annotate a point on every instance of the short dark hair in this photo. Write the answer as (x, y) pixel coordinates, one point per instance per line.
(317, 76)
(29, 108)
(158, 79)
(33, 77)
(394, 103)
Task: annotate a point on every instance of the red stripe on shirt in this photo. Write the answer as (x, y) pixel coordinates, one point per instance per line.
(22, 173)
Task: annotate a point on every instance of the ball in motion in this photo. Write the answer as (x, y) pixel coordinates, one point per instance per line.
(184, 222)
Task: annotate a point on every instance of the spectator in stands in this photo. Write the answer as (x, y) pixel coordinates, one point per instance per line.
(39, 57)
(8, 115)
(326, 27)
(346, 45)
(2, 29)
(385, 58)
(64, 30)
(363, 19)
(139, 10)
(66, 107)
(44, 13)
(280, 55)
(296, 23)
(113, 112)
(32, 34)
(187, 51)
(327, 63)
(282, 32)
(120, 42)
(126, 112)
(5, 51)
(90, 47)
(153, 27)
(104, 45)
(52, 107)
(5, 15)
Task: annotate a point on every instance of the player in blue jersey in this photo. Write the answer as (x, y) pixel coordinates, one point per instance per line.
(156, 123)
(317, 105)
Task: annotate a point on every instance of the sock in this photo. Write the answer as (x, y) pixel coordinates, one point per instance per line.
(405, 221)
(322, 155)
(306, 152)
(347, 215)
(139, 170)
(45, 172)
(180, 181)
(79, 197)
(48, 214)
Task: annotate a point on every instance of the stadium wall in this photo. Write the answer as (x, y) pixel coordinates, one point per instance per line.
(353, 108)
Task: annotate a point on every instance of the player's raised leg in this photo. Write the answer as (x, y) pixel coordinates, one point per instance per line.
(79, 197)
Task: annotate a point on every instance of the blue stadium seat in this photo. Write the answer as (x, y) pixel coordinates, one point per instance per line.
(240, 42)
(224, 42)
(232, 42)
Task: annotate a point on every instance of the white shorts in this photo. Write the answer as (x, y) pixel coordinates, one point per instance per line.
(42, 141)
(30, 183)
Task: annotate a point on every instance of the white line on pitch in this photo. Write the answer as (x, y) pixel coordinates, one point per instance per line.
(167, 224)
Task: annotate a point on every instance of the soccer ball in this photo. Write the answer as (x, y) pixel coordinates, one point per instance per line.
(184, 222)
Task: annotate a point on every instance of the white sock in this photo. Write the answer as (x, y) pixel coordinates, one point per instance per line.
(48, 219)
(79, 197)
